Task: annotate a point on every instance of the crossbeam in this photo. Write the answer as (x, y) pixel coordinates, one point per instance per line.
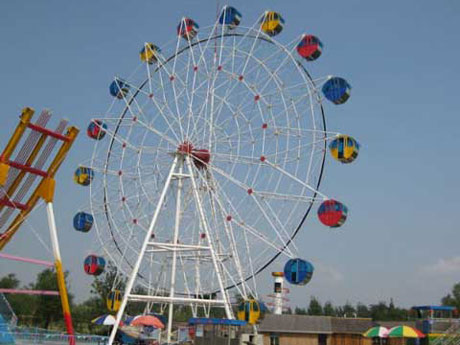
(30, 292)
(174, 300)
(48, 132)
(28, 168)
(30, 261)
(8, 203)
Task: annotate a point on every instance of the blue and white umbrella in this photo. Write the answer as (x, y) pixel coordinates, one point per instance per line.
(106, 320)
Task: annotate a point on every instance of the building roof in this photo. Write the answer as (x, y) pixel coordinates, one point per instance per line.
(295, 324)
(391, 324)
(313, 324)
(350, 325)
(211, 321)
(434, 307)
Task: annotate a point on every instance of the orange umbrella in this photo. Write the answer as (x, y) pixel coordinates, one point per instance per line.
(148, 320)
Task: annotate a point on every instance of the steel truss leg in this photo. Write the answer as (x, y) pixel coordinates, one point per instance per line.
(204, 224)
(136, 267)
(175, 238)
(60, 273)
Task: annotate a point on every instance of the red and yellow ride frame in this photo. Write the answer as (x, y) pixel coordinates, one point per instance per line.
(44, 190)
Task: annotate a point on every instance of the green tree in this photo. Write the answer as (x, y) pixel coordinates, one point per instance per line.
(348, 310)
(300, 311)
(315, 307)
(23, 305)
(362, 310)
(379, 311)
(48, 308)
(329, 309)
(453, 298)
(109, 280)
(9, 281)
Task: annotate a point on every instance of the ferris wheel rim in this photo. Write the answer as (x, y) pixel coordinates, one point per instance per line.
(132, 98)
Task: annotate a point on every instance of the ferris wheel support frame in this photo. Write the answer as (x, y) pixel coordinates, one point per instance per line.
(177, 164)
(44, 190)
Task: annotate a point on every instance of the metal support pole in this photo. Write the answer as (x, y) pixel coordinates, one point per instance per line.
(204, 224)
(136, 267)
(175, 239)
(60, 273)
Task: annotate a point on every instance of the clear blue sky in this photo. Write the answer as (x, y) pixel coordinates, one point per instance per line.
(401, 57)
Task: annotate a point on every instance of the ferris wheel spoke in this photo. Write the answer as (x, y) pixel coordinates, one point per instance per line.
(172, 79)
(212, 187)
(251, 192)
(135, 118)
(157, 132)
(165, 100)
(238, 220)
(285, 197)
(287, 58)
(164, 118)
(296, 179)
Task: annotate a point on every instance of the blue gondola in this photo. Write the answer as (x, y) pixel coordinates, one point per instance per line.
(83, 176)
(337, 90)
(230, 17)
(83, 221)
(298, 271)
(119, 88)
(96, 130)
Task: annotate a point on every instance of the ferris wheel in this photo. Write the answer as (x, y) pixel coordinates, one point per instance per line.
(209, 160)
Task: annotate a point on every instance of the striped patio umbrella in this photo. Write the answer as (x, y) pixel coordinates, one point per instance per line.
(378, 331)
(106, 320)
(405, 332)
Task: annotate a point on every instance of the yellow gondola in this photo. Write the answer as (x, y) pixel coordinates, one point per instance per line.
(114, 300)
(83, 176)
(249, 311)
(272, 23)
(344, 148)
(149, 53)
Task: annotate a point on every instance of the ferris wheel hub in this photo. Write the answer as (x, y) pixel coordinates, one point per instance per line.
(185, 148)
(201, 157)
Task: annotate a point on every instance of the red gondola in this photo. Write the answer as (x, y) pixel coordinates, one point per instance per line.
(96, 129)
(332, 213)
(310, 47)
(187, 28)
(94, 265)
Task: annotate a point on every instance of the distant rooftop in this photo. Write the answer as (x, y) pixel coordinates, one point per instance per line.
(212, 321)
(434, 307)
(313, 324)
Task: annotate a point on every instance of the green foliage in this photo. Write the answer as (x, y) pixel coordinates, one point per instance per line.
(380, 311)
(362, 310)
(315, 307)
(109, 280)
(23, 305)
(45, 311)
(48, 308)
(300, 311)
(328, 309)
(453, 298)
(42, 311)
